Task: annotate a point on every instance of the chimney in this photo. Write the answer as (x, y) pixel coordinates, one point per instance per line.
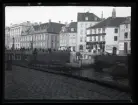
(102, 15)
(49, 20)
(35, 23)
(59, 21)
(40, 23)
(71, 20)
(66, 23)
(114, 13)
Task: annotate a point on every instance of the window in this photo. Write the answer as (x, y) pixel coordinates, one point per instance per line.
(81, 47)
(126, 25)
(90, 38)
(95, 18)
(90, 31)
(81, 39)
(95, 31)
(94, 38)
(115, 38)
(103, 38)
(81, 24)
(99, 30)
(81, 32)
(86, 18)
(116, 30)
(98, 38)
(72, 29)
(85, 24)
(126, 35)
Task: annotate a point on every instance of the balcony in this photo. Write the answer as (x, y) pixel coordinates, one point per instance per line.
(95, 42)
(96, 34)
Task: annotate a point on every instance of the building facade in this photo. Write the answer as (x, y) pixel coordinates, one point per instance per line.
(68, 36)
(125, 37)
(104, 35)
(84, 20)
(7, 37)
(15, 33)
(43, 36)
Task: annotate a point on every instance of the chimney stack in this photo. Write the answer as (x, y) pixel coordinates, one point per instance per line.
(59, 21)
(71, 20)
(102, 15)
(114, 13)
(49, 20)
(66, 23)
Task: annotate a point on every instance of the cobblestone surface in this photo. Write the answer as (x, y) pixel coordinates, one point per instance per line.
(23, 83)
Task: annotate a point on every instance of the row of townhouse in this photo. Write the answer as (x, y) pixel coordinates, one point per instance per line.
(111, 33)
(30, 35)
(89, 33)
(125, 36)
(44, 36)
(68, 36)
(13, 34)
(73, 35)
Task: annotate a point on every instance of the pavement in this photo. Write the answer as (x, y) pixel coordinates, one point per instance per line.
(24, 83)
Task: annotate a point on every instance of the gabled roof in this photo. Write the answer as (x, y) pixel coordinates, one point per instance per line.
(54, 27)
(67, 29)
(127, 21)
(91, 17)
(109, 22)
(51, 27)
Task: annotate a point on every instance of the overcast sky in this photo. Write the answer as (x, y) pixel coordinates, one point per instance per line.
(17, 14)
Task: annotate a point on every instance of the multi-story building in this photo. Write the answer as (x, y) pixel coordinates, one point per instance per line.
(15, 33)
(44, 36)
(7, 37)
(84, 20)
(104, 35)
(125, 37)
(68, 36)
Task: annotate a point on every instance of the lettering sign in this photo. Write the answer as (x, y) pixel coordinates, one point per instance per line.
(109, 47)
(121, 46)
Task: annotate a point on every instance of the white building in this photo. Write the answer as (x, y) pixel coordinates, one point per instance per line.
(15, 32)
(7, 37)
(104, 35)
(125, 37)
(84, 20)
(68, 36)
(42, 36)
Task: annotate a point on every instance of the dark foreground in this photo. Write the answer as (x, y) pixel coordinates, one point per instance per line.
(23, 83)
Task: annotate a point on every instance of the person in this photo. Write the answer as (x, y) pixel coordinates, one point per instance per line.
(9, 62)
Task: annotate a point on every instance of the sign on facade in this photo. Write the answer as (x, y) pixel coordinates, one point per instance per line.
(121, 46)
(109, 47)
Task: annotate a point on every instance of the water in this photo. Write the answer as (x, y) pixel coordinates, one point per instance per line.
(91, 74)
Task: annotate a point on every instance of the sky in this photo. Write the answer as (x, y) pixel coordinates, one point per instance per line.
(17, 14)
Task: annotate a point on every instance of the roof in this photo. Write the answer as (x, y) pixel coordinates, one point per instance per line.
(51, 27)
(109, 22)
(127, 21)
(91, 17)
(72, 25)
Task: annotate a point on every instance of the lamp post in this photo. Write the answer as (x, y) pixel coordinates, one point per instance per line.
(13, 43)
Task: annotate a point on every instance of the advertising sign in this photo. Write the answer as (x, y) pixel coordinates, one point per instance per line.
(109, 47)
(121, 46)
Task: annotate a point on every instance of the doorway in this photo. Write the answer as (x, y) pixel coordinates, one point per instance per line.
(125, 47)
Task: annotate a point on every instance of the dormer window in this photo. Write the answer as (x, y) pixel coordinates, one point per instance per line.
(95, 18)
(72, 29)
(86, 18)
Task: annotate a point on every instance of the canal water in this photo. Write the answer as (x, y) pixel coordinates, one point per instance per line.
(91, 74)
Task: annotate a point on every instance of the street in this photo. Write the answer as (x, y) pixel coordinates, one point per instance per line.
(23, 83)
